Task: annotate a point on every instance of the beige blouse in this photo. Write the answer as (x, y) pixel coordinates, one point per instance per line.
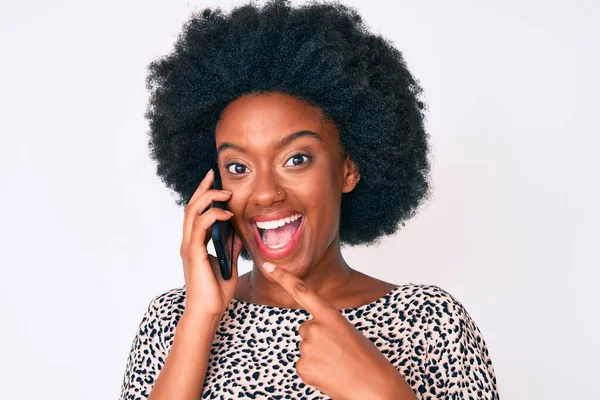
(422, 330)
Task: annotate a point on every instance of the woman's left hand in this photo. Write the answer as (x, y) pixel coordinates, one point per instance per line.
(334, 356)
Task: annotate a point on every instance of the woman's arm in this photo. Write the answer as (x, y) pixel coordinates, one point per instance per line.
(146, 357)
(182, 376)
(458, 364)
(153, 370)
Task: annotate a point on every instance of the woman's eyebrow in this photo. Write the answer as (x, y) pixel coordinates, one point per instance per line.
(283, 142)
(227, 145)
(290, 138)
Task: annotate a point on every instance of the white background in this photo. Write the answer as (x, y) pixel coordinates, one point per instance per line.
(90, 235)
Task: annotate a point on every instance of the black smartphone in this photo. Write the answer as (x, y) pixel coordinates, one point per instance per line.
(222, 235)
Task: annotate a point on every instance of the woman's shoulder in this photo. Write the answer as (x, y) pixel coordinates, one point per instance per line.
(437, 311)
(457, 362)
(422, 290)
(168, 306)
(163, 314)
(171, 297)
(429, 299)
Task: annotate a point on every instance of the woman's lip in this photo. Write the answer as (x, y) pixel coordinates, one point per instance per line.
(283, 251)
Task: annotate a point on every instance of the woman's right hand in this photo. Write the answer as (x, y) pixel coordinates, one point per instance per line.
(207, 293)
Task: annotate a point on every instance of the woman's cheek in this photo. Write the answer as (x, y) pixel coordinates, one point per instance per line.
(236, 206)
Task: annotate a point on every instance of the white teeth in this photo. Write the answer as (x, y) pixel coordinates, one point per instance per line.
(277, 223)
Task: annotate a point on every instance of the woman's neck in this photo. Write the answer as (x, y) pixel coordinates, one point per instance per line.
(327, 278)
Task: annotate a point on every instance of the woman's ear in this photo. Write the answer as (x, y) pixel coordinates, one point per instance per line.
(351, 175)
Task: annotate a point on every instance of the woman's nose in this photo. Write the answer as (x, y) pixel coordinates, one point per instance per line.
(267, 190)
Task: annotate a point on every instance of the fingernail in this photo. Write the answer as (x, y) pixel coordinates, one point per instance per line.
(208, 173)
(228, 212)
(269, 267)
(226, 191)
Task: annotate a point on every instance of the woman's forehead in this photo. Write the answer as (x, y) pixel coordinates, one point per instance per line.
(265, 118)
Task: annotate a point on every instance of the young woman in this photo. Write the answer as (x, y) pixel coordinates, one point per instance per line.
(316, 128)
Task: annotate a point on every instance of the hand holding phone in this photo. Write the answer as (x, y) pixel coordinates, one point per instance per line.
(207, 294)
(222, 235)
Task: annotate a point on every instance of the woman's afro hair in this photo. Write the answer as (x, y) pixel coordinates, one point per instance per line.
(321, 53)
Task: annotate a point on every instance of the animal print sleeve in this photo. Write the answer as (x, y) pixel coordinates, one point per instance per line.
(458, 365)
(146, 357)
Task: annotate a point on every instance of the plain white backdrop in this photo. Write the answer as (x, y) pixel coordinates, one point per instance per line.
(89, 234)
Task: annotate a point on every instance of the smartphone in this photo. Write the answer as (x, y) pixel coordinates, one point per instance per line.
(222, 235)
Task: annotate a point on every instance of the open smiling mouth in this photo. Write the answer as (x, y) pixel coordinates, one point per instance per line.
(278, 238)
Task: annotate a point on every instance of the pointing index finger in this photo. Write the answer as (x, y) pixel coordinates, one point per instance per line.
(298, 289)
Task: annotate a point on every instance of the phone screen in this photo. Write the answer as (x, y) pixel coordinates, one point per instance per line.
(222, 235)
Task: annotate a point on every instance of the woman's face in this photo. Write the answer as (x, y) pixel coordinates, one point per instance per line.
(282, 160)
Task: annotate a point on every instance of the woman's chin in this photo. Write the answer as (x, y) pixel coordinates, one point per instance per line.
(296, 264)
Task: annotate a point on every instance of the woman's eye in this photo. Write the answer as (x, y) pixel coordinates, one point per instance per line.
(236, 168)
(298, 159)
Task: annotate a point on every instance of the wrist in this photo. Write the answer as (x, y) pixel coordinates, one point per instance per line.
(394, 387)
(197, 321)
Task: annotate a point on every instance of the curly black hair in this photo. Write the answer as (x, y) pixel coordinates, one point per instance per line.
(321, 53)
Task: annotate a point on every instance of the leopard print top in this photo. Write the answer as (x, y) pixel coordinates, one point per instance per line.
(422, 330)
